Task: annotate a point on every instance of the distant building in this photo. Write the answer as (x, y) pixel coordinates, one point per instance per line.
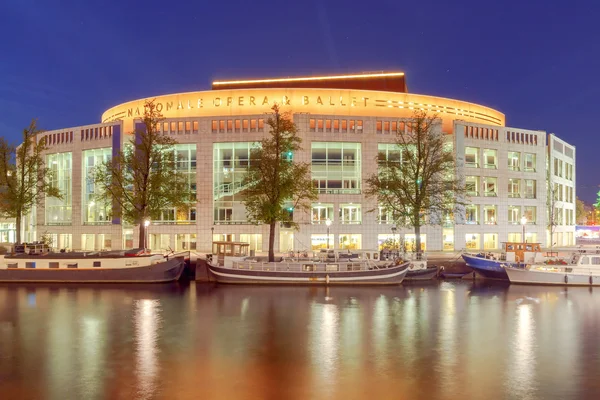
(344, 121)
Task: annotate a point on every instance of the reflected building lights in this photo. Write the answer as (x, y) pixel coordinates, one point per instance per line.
(380, 331)
(324, 337)
(447, 338)
(147, 322)
(521, 371)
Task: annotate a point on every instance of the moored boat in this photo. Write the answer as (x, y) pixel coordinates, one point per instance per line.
(493, 265)
(419, 270)
(229, 264)
(577, 270)
(90, 267)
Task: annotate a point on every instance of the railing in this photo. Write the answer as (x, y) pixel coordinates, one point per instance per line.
(567, 269)
(338, 191)
(306, 267)
(228, 189)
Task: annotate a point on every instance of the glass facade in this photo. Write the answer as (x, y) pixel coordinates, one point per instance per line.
(350, 241)
(320, 212)
(230, 166)
(185, 154)
(95, 207)
(58, 211)
(336, 167)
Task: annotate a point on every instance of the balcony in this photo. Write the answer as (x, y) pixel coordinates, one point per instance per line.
(514, 195)
(490, 194)
(473, 193)
(338, 191)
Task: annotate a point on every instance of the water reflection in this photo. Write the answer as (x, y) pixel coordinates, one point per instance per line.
(146, 320)
(447, 341)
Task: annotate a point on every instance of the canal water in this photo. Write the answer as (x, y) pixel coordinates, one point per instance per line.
(448, 340)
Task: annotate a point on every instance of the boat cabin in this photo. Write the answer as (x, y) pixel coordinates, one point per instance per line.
(517, 250)
(229, 249)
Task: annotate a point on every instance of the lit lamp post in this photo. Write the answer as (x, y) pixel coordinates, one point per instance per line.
(146, 225)
(523, 222)
(328, 223)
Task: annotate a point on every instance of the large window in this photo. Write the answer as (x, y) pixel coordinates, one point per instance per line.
(350, 213)
(321, 241)
(349, 241)
(185, 242)
(472, 214)
(490, 216)
(472, 240)
(514, 214)
(529, 161)
(529, 212)
(336, 167)
(490, 158)
(514, 160)
(185, 156)
(471, 157)
(230, 165)
(490, 241)
(530, 189)
(96, 206)
(472, 185)
(514, 187)
(58, 211)
(321, 212)
(254, 240)
(490, 186)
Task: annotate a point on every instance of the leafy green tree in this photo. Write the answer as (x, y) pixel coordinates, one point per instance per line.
(142, 180)
(419, 182)
(580, 214)
(24, 177)
(274, 180)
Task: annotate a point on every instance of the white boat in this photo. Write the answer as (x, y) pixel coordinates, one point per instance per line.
(579, 269)
(229, 264)
(37, 264)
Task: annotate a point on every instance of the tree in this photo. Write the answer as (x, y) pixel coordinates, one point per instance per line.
(417, 180)
(274, 180)
(142, 180)
(553, 215)
(580, 214)
(24, 178)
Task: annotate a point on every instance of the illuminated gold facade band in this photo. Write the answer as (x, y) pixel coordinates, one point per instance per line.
(311, 78)
(340, 102)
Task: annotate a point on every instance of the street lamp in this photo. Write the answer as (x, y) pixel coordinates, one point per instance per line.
(328, 223)
(523, 222)
(146, 225)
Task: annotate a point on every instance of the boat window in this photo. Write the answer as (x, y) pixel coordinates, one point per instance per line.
(332, 267)
(97, 264)
(53, 264)
(72, 265)
(12, 265)
(30, 264)
(595, 260)
(585, 260)
(308, 267)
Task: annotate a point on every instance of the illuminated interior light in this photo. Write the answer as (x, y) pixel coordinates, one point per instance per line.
(310, 78)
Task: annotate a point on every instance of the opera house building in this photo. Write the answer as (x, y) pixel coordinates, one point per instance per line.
(344, 122)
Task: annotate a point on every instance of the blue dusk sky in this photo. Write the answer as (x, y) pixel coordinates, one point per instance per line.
(65, 62)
